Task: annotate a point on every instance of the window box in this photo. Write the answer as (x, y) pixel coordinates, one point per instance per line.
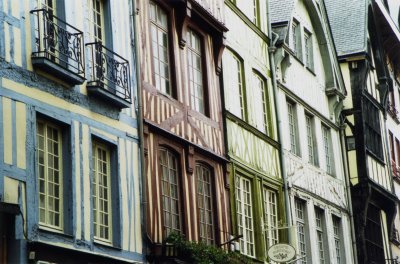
(110, 76)
(59, 48)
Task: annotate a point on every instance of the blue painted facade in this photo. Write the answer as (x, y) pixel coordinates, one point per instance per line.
(28, 94)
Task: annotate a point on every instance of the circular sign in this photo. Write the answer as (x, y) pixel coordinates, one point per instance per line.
(281, 252)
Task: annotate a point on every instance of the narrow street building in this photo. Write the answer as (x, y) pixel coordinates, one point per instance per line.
(310, 99)
(186, 188)
(257, 200)
(391, 38)
(367, 42)
(69, 166)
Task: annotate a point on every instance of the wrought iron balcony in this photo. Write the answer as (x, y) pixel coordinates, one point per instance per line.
(110, 77)
(59, 48)
(392, 111)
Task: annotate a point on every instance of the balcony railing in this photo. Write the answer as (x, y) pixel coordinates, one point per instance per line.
(59, 47)
(109, 75)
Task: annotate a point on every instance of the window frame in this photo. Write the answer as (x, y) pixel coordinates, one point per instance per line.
(268, 233)
(256, 13)
(302, 222)
(320, 228)
(266, 104)
(373, 132)
(311, 138)
(214, 225)
(308, 50)
(295, 36)
(171, 51)
(244, 239)
(191, 27)
(328, 149)
(167, 148)
(338, 240)
(293, 135)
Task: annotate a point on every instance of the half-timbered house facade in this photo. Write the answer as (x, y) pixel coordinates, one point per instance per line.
(69, 163)
(257, 211)
(181, 43)
(367, 42)
(310, 99)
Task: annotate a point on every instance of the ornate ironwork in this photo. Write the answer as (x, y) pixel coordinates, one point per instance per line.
(58, 41)
(109, 71)
(391, 108)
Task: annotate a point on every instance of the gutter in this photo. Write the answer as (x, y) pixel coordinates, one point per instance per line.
(139, 116)
(271, 51)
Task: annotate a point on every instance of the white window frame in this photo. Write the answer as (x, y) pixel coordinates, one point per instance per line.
(98, 186)
(337, 236)
(48, 166)
(320, 230)
(244, 203)
(270, 217)
(311, 141)
(301, 229)
(308, 50)
(294, 146)
(328, 152)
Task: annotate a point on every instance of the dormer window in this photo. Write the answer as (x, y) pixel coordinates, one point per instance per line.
(295, 42)
(308, 50)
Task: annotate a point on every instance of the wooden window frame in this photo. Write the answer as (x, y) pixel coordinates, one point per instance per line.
(93, 23)
(266, 104)
(338, 239)
(295, 28)
(311, 140)
(293, 128)
(301, 228)
(191, 27)
(308, 50)
(180, 214)
(171, 51)
(49, 124)
(99, 145)
(373, 133)
(328, 149)
(244, 240)
(320, 228)
(271, 231)
(256, 13)
(210, 169)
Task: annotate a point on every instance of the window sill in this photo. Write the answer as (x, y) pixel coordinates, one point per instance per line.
(311, 70)
(49, 230)
(106, 244)
(375, 157)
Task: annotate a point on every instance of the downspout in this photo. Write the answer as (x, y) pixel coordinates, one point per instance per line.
(271, 51)
(139, 115)
(348, 191)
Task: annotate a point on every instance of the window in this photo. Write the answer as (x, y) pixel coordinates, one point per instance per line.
(397, 172)
(308, 50)
(159, 42)
(326, 139)
(234, 85)
(301, 229)
(337, 236)
(261, 103)
(311, 141)
(170, 191)
(205, 204)
(320, 226)
(270, 217)
(392, 151)
(256, 12)
(101, 192)
(292, 120)
(96, 21)
(295, 39)
(195, 74)
(244, 209)
(373, 235)
(48, 5)
(50, 174)
(372, 129)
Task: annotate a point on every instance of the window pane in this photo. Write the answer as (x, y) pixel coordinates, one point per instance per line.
(205, 208)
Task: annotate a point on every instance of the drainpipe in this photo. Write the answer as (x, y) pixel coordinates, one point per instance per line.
(348, 190)
(139, 115)
(271, 51)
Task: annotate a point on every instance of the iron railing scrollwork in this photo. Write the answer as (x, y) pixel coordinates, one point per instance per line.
(109, 71)
(58, 41)
(391, 108)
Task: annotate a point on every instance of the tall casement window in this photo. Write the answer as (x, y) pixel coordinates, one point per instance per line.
(373, 235)
(397, 172)
(293, 131)
(170, 191)
(195, 72)
(295, 39)
(48, 5)
(244, 209)
(308, 50)
(327, 142)
(96, 21)
(311, 140)
(372, 129)
(320, 227)
(101, 192)
(235, 97)
(159, 42)
(300, 208)
(337, 236)
(256, 13)
(50, 174)
(205, 204)
(261, 103)
(392, 151)
(270, 217)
